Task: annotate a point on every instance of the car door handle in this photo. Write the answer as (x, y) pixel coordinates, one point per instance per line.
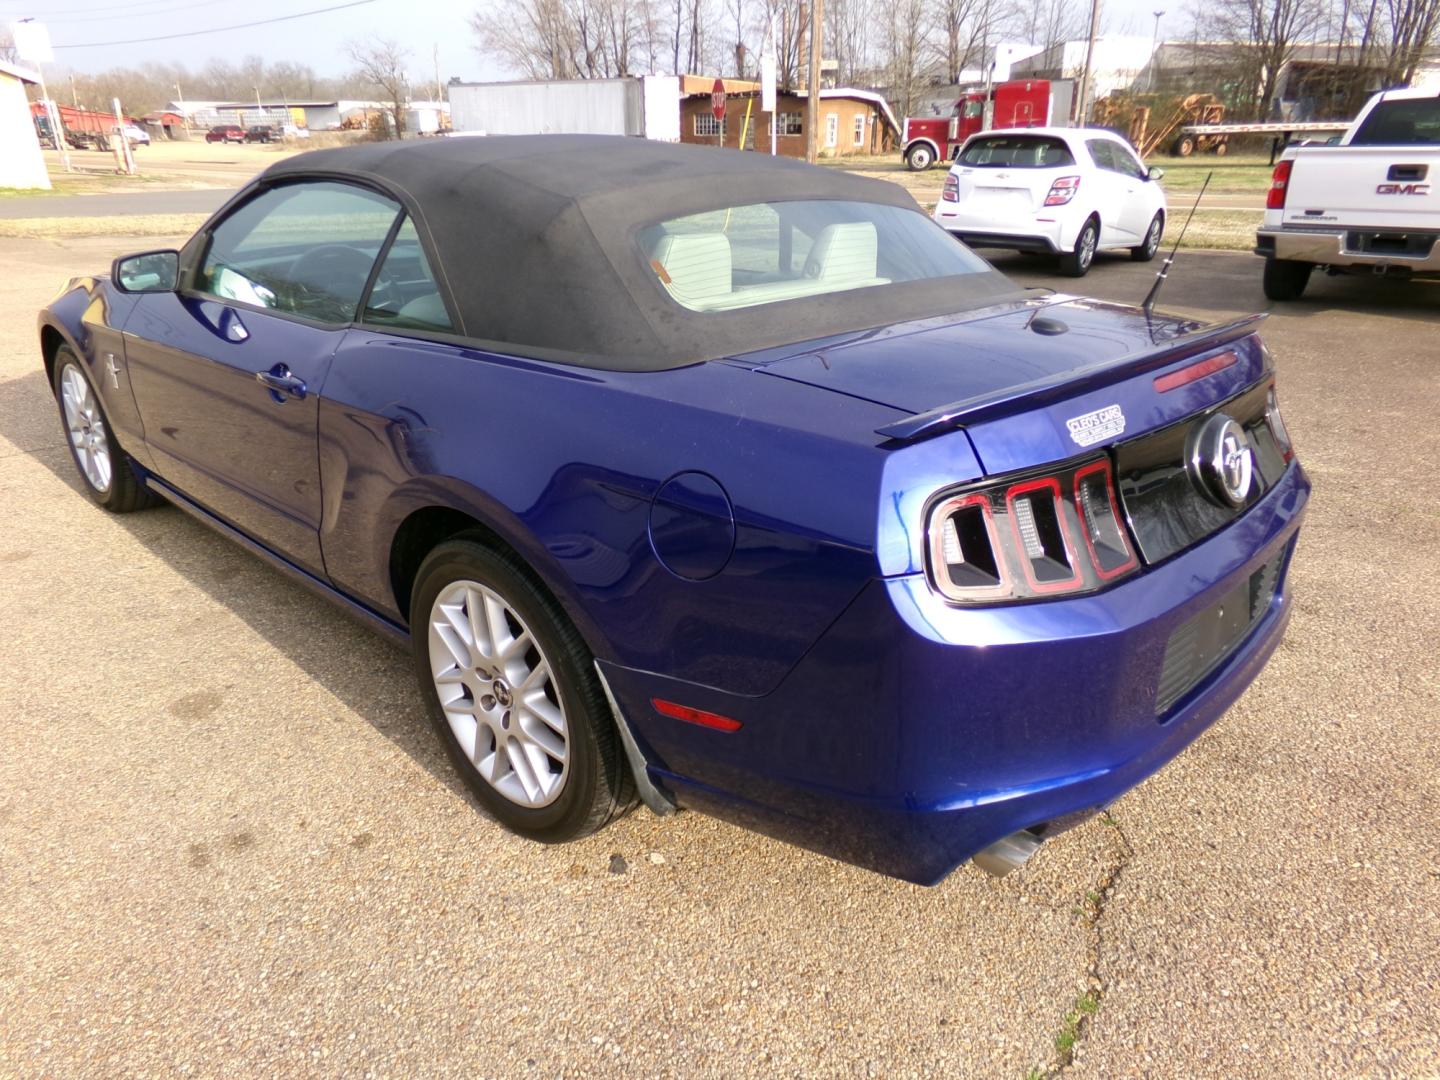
(281, 383)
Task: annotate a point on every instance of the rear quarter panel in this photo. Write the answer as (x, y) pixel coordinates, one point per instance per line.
(564, 463)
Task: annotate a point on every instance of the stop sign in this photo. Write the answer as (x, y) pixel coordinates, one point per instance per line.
(717, 99)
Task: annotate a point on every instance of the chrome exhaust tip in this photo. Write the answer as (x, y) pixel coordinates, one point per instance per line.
(1008, 854)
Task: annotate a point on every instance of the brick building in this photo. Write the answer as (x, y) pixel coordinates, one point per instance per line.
(851, 121)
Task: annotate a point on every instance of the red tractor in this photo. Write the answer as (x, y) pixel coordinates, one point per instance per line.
(1019, 103)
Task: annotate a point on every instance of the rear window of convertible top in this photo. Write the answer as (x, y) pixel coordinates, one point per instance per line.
(763, 253)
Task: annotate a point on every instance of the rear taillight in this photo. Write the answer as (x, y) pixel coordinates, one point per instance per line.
(1277, 426)
(1042, 536)
(1062, 191)
(1279, 184)
(952, 189)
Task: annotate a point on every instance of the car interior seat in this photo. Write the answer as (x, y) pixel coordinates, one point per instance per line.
(844, 254)
(696, 266)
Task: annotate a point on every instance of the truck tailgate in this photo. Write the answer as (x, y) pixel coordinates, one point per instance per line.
(1365, 187)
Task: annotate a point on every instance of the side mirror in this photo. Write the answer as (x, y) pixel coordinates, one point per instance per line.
(1155, 173)
(150, 271)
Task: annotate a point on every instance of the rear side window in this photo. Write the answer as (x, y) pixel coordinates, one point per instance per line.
(1016, 152)
(405, 295)
(303, 249)
(1412, 122)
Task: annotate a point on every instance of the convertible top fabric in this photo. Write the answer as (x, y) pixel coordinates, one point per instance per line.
(533, 239)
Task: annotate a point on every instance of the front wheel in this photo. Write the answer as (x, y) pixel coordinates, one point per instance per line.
(919, 158)
(1076, 263)
(1286, 280)
(514, 695)
(104, 468)
(1146, 251)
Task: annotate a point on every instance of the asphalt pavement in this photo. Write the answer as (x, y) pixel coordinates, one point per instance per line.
(230, 845)
(121, 204)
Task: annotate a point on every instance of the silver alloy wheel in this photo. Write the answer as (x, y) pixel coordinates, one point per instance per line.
(498, 694)
(1086, 247)
(86, 426)
(1152, 238)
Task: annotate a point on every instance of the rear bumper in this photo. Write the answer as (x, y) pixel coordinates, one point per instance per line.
(915, 734)
(1017, 233)
(1353, 247)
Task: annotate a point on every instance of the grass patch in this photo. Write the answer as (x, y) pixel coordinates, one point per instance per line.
(70, 228)
(1225, 230)
(1237, 175)
(80, 183)
(1086, 1005)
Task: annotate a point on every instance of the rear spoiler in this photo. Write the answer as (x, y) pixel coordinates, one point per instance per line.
(1015, 399)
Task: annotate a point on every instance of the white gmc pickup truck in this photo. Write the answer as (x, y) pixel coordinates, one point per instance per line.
(1369, 205)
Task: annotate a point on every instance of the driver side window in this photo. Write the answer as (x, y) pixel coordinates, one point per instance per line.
(302, 249)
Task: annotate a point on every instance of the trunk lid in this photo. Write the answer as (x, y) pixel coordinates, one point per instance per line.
(1034, 381)
(1004, 192)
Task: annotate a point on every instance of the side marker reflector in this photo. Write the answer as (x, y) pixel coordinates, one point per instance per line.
(676, 711)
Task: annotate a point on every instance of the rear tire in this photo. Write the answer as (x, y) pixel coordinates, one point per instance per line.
(1285, 279)
(1077, 263)
(525, 720)
(919, 157)
(1146, 251)
(103, 466)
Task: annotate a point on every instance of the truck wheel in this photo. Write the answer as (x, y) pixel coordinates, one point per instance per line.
(1184, 146)
(1221, 147)
(1286, 280)
(919, 157)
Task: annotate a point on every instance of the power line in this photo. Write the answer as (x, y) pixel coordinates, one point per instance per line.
(128, 15)
(107, 7)
(216, 29)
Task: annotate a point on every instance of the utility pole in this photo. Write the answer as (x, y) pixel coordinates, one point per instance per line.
(812, 103)
(1082, 113)
(1154, 51)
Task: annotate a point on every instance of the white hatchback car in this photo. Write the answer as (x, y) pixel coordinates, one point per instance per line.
(1064, 191)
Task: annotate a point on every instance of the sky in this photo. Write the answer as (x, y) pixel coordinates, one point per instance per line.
(88, 34)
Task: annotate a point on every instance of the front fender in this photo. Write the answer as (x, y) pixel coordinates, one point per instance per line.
(89, 316)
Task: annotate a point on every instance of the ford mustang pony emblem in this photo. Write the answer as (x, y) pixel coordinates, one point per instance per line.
(1220, 461)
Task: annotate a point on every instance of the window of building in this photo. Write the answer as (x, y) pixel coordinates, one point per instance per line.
(790, 123)
(860, 130)
(832, 129)
(706, 124)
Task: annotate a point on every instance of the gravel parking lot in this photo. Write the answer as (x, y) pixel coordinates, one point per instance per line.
(229, 844)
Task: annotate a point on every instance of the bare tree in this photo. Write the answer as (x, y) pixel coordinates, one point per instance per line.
(961, 29)
(7, 48)
(1412, 28)
(1256, 39)
(580, 39)
(1049, 23)
(905, 47)
(847, 36)
(381, 62)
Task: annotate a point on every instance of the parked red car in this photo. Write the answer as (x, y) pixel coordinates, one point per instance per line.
(224, 133)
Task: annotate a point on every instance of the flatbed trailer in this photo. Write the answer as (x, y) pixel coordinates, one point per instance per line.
(1280, 131)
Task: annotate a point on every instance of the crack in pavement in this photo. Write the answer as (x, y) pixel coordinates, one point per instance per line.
(1078, 1020)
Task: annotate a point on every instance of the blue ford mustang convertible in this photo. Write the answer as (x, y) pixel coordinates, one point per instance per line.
(708, 480)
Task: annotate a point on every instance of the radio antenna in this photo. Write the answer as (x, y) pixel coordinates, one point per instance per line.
(1149, 303)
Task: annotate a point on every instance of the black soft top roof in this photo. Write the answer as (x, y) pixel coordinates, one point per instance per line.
(533, 238)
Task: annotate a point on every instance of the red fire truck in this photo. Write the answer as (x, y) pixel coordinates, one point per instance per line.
(1018, 103)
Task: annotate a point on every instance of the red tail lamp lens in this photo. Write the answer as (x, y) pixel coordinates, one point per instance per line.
(1100, 521)
(1047, 555)
(1277, 426)
(1279, 186)
(1062, 190)
(676, 711)
(1021, 541)
(952, 190)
